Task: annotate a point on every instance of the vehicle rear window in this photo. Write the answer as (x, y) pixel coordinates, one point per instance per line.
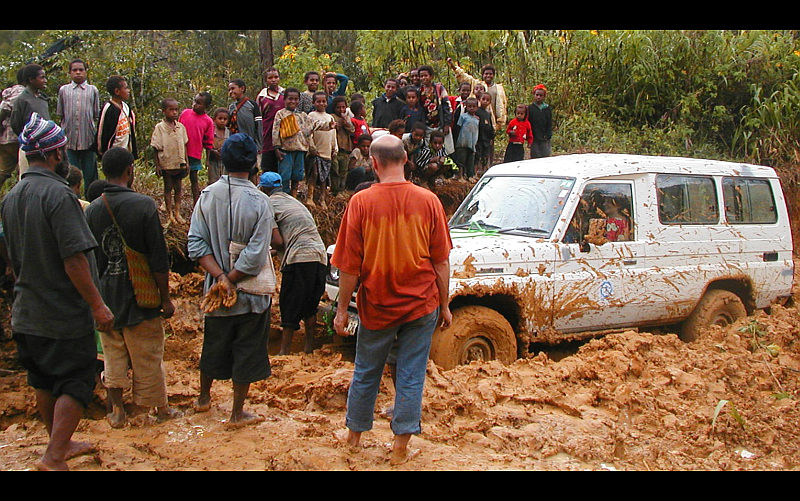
(686, 199)
(748, 201)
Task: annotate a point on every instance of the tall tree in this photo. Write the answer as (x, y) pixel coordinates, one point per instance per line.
(265, 52)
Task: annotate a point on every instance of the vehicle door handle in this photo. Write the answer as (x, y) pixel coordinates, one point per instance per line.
(629, 262)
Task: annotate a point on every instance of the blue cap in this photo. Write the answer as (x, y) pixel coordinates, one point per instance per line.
(270, 180)
(239, 152)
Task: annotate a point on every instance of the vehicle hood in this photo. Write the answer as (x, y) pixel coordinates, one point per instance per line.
(476, 255)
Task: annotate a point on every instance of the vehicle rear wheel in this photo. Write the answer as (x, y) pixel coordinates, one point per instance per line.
(477, 333)
(716, 307)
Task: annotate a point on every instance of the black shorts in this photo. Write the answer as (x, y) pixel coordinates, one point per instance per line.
(269, 161)
(302, 286)
(236, 348)
(177, 174)
(60, 366)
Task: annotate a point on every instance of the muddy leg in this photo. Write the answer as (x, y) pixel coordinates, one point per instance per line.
(203, 402)
(65, 414)
(239, 417)
(286, 341)
(116, 418)
(310, 325)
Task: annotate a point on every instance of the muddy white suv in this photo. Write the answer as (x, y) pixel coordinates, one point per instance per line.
(574, 246)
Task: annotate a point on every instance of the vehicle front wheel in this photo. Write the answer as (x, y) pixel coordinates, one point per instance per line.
(477, 333)
(716, 307)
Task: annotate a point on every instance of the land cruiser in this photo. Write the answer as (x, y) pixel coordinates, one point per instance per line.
(575, 246)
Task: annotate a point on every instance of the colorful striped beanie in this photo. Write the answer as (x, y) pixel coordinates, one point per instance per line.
(40, 135)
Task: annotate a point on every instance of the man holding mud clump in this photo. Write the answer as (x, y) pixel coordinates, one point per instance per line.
(402, 295)
(230, 236)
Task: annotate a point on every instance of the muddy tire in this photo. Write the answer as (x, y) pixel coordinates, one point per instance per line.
(477, 333)
(717, 307)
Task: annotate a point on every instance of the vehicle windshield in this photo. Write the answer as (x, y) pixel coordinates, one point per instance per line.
(514, 204)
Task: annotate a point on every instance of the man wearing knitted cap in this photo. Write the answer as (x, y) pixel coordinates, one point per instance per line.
(56, 303)
(233, 215)
(540, 115)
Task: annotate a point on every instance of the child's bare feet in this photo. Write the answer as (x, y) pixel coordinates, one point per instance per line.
(167, 413)
(202, 404)
(117, 418)
(243, 419)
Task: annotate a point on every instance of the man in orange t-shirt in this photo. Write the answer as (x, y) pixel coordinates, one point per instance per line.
(395, 244)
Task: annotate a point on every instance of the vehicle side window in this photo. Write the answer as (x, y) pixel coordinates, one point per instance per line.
(686, 199)
(604, 214)
(748, 200)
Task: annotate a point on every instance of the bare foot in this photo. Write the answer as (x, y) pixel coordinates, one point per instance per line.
(401, 456)
(75, 449)
(45, 464)
(202, 404)
(347, 438)
(245, 419)
(117, 419)
(167, 413)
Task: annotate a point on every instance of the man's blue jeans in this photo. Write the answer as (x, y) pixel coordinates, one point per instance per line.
(86, 161)
(372, 349)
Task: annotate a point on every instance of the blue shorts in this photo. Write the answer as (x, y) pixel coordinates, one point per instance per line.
(195, 164)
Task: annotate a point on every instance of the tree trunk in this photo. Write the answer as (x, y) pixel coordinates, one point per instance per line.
(265, 53)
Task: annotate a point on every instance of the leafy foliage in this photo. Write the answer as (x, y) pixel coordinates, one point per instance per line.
(711, 93)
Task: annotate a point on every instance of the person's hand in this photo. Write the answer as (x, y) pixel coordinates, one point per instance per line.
(159, 171)
(340, 322)
(167, 308)
(279, 154)
(103, 318)
(446, 130)
(445, 317)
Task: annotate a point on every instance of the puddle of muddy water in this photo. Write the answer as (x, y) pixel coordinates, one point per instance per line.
(558, 351)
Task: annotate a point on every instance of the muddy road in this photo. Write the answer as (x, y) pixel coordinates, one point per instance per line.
(628, 401)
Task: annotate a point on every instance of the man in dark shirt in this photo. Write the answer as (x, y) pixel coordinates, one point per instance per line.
(56, 304)
(31, 100)
(387, 107)
(137, 337)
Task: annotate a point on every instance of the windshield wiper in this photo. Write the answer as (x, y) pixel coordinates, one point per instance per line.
(526, 229)
(479, 225)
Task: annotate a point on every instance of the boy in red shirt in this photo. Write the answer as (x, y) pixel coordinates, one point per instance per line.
(200, 129)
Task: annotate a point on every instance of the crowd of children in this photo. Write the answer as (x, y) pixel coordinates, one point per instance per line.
(317, 136)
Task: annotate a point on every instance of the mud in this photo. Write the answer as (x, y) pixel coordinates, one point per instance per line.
(627, 401)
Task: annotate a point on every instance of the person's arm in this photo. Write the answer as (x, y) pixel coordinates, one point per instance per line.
(18, 116)
(500, 110)
(78, 271)
(277, 239)
(155, 142)
(343, 80)
(442, 271)
(347, 285)
(162, 281)
(276, 136)
(461, 75)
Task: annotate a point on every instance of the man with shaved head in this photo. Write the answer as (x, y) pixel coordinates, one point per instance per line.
(395, 244)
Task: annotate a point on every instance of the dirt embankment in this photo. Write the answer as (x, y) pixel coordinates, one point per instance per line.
(628, 401)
